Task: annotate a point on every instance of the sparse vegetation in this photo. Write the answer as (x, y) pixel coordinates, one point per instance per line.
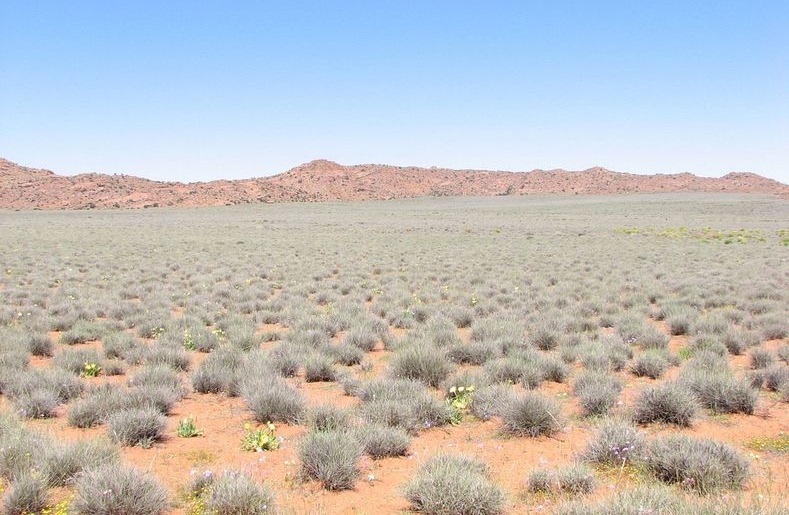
(400, 304)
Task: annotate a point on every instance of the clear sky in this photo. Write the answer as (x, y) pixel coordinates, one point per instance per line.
(198, 90)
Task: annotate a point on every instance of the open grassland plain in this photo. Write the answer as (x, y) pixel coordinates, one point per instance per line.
(504, 355)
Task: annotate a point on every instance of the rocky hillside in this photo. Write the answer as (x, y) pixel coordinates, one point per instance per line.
(30, 188)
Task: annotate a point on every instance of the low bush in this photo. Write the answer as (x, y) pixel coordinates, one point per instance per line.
(454, 485)
(234, 493)
(73, 360)
(330, 457)
(40, 345)
(650, 363)
(532, 415)
(403, 403)
(63, 462)
(540, 481)
(119, 345)
(27, 494)
(597, 392)
(272, 400)
(175, 358)
(379, 441)
(490, 401)
(577, 479)
(761, 358)
(327, 417)
(157, 376)
(668, 402)
(472, 353)
(776, 377)
(113, 490)
(699, 464)
(720, 391)
(615, 442)
(136, 426)
(423, 363)
(319, 367)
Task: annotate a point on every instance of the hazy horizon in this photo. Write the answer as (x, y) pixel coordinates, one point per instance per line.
(187, 92)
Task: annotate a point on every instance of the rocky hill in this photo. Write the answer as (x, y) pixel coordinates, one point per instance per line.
(317, 181)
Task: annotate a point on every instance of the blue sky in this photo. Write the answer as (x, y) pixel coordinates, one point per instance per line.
(200, 90)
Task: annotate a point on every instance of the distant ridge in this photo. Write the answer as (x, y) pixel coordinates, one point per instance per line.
(321, 180)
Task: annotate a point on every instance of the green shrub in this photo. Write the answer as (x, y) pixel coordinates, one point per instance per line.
(532, 414)
(113, 490)
(330, 457)
(454, 485)
(73, 360)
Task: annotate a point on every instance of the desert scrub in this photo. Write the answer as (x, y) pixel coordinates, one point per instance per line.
(173, 357)
(113, 490)
(218, 372)
(327, 417)
(234, 493)
(379, 441)
(597, 392)
(319, 367)
(73, 360)
(63, 462)
(404, 403)
(642, 500)
(761, 358)
(157, 376)
(702, 465)
(454, 485)
(577, 480)
(651, 363)
(272, 400)
(330, 457)
(615, 443)
(720, 391)
(491, 401)
(776, 377)
(40, 345)
(669, 402)
(27, 494)
(136, 426)
(532, 414)
(540, 481)
(119, 345)
(423, 363)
